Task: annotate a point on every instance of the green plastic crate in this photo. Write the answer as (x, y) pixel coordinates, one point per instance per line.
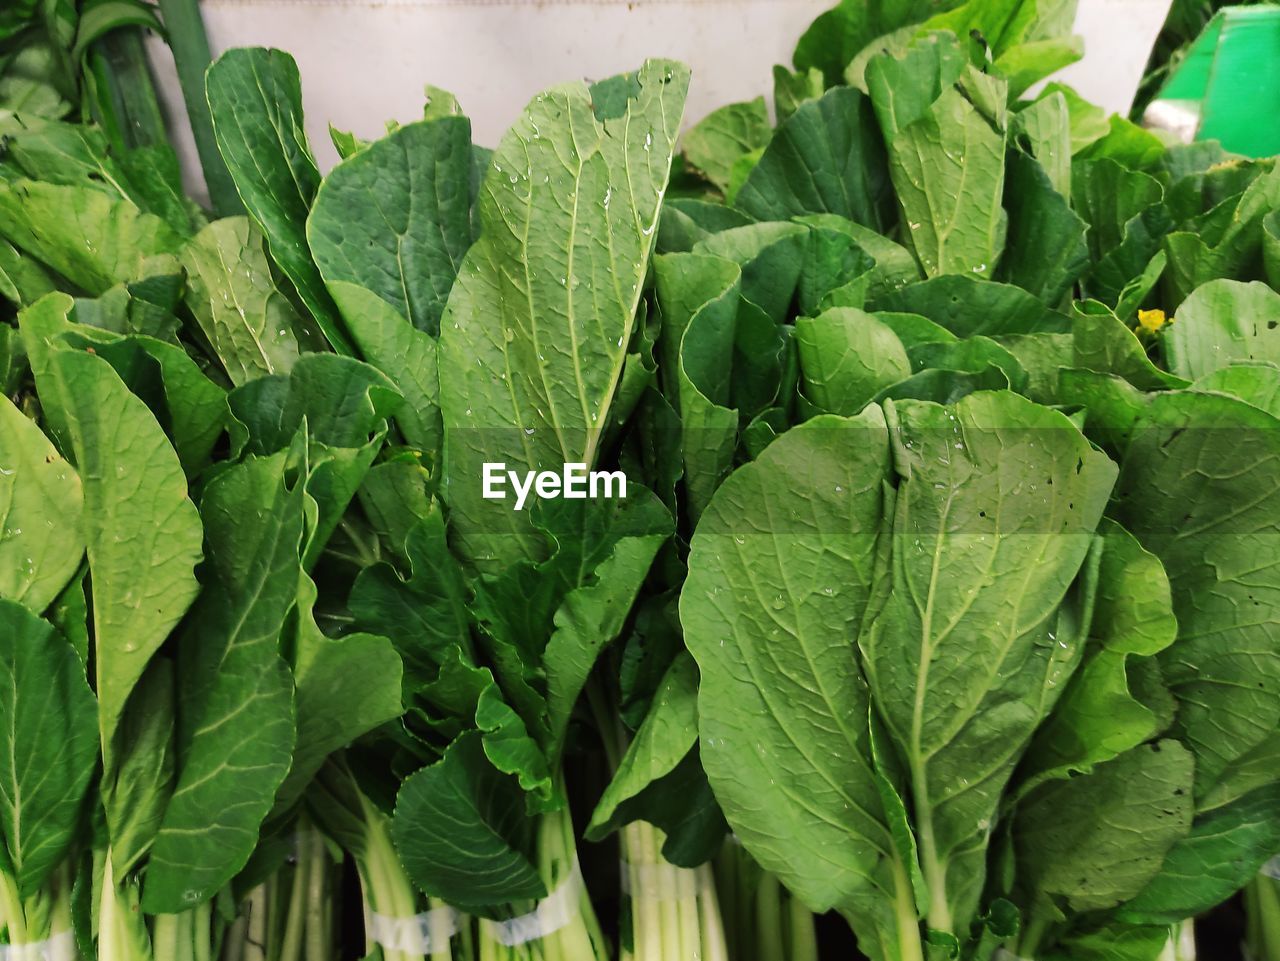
(1228, 86)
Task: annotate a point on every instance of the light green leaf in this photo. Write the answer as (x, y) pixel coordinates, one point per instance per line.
(536, 330)
(1221, 323)
(41, 502)
(946, 128)
(82, 233)
(715, 143)
(256, 101)
(49, 741)
(846, 358)
(780, 573)
(143, 535)
(395, 218)
(248, 321)
(1046, 126)
(1256, 384)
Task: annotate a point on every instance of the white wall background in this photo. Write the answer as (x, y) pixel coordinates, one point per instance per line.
(366, 61)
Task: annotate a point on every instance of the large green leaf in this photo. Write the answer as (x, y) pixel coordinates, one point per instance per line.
(971, 643)
(946, 127)
(143, 535)
(48, 745)
(780, 573)
(248, 321)
(1221, 323)
(536, 329)
(826, 158)
(1198, 490)
(395, 218)
(256, 101)
(41, 502)
(238, 732)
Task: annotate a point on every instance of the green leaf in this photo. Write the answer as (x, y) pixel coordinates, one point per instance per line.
(82, 233)
(771, 256)
(699, 297)
(1088, 122)
(405, 354)
(846, 358)
(482, 858)
(780, 573)
(238, 732)
(715, 143)
(964, 665)
(1197, 491)
(424, 613)
(1108, 196)
(41, 501)
(1026, 64)
(825, 158)
(1104, 344)
(1271, 247)
(248, 321)
(395, 218)
(1224, 850)
(1221, 323)
(345, 687)
(1046, 251)
(1045, 128)
(1256, 384)
(790, 90)
(838, 35)
(100, 17)
(536, 330)
(668, 732)
(50, 751)
(968, 306)
(256, 101)
(1095, 841)
(143, 535)
(946, 128)
(1116, 701)
(592, 615)
(1231, 243)
(137, 790)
